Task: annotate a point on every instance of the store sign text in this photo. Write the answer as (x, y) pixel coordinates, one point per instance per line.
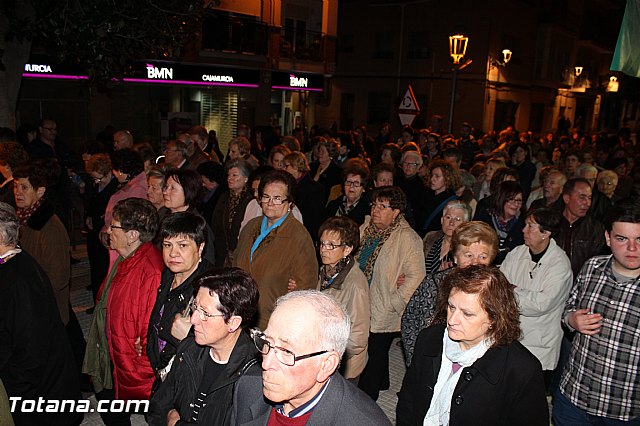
(37, 68)
(213, 77)
(298, 82)
(156, 73)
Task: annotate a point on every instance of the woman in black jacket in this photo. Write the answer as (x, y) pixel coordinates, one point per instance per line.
(199, 389)
(183, 236)
(468, 367)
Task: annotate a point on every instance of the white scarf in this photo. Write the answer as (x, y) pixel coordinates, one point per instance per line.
(438, 414)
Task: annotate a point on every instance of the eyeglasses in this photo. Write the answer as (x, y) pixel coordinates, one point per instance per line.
(277, 200)
(204, 315)
(379, 206)
(112, 227)
(353, 183)
(406, 163)
(51, 129)
(329, 246)
(283, 355)
(449, 218)
(514, 200)
(98, 179)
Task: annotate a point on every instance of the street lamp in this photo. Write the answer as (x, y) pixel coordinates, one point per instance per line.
(457, 50)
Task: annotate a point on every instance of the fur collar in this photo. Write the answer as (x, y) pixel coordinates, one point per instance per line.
(41, 216)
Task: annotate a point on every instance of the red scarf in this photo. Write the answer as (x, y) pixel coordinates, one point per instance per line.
(25, 213)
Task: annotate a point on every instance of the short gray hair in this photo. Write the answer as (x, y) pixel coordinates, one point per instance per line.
(240, 164)
(586, 167)
(332, 326)
(9, 225)
(460, 205)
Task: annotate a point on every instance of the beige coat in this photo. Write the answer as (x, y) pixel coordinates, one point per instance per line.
(287, 252)
(353, 295)
(402, 253)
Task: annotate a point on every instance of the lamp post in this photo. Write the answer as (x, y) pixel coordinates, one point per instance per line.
(457, 50)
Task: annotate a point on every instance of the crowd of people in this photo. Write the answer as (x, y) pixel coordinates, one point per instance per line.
(268, 284)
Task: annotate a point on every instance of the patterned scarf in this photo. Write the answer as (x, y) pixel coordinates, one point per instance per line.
(25, 214)
(335, 274)
(371, 243)
(234, 201)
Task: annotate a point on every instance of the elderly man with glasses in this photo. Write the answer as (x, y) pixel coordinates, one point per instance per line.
(300, 356)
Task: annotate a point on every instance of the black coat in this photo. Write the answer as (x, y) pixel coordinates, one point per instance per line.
(170, 302)
(310, 199)
(503, 387)
(225, 234)
(331, 177)
(35, 355)
(358, 213)
(179, 390)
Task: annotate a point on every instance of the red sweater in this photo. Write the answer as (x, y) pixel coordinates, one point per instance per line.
(277, 419)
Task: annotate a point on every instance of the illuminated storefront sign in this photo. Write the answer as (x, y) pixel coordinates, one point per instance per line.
(161, 73)
(297, 81)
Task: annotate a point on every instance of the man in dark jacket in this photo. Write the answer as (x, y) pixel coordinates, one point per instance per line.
(301, 354)
(581, 236)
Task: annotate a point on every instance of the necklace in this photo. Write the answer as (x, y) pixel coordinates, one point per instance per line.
(9, 254)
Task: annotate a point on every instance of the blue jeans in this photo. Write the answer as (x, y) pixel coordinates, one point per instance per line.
(567, 414)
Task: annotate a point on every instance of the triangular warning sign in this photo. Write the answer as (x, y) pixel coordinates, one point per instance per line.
(408, 103)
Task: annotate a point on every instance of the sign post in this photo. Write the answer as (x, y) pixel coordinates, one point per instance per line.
(408, 109)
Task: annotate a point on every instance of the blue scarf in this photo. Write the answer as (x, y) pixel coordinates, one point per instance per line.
(264, 231)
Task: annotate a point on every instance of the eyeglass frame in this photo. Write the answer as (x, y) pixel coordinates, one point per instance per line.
(354, 184)
(379, 206)
(255, 334)
(112, 227)
(202, 314)
(328, 245)
(280, 201)
(515, 201)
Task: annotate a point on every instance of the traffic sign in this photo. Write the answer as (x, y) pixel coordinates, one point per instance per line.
(408, 109)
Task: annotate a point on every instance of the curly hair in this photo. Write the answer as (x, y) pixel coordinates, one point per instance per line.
(348, 230)
(394, 195)
(452, 178)
(99, 163)
(496, 297)
(9, 225)
(13, 154)
(332, 147)
(237, 292)
(137, 214)
(298, 161)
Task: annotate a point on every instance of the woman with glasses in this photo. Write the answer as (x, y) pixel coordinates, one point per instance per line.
(121, 317)
(389, 250)
(341, 278)
(505, 215)
(182, 235)
(128, 168)
(200, 386)
(97, 198)
(541, 273)
(276, 247)
(354, 204)
(230, 209)
(437, 244)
